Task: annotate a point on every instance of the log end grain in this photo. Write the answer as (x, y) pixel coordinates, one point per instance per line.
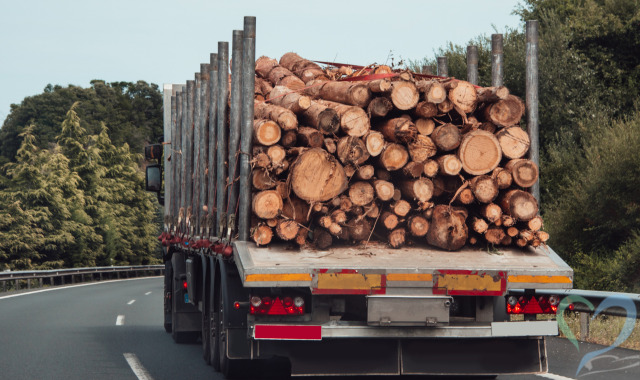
(479, 152)
(316, 176)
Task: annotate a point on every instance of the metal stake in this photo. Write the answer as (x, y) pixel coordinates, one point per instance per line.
(221, 144)
(532, 99)
(472, 64)
(496, 60)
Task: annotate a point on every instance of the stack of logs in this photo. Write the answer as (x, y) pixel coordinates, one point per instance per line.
(378, 155)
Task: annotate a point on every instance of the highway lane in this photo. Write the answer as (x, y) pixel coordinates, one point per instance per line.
(72, 333)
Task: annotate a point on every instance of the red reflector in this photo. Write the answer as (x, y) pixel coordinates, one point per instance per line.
(236, 305)
(184, 285)
(532, 307)
(287, 332)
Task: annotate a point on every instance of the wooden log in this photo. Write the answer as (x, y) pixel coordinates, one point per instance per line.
(401, 207)
(339, 216)
(491, 212)
(446, 137)
(280, 76)
(322, 239)
(302, 68)
(488, 126)
(466, 196)
(289, 139)
(448, 229)
(389, 220)
(379, 86)
(494, 235)
(397, 195)
(398, 130)
(535, 224)
(384, 189)
(262, 89)
(272, 222)
(286, 119)
(361, 193)
(267, 204)
(379, 107)
(349, 170)
(330, 145)
(425, 126)
(359, 229)
(492, 94)
(519, 204)
(479, 152)
(512, 231)
(417, 225)
(310, 137)
(262, 234)
(316, 176)
(524, 172)
(352, 150)
(419, 189)
(434, 92)
(277, 155)
(365, 172)
(293, 101)
(485, 189)
(526, 234)
(393, 157)
(301, 238)
(479, 225)
(296, 209)
(287, 229)
(345, 203)
(352, 93)
(374, 141)
(422, 148)
(383, 174)
(322, 118)
(325, 221)
(354, 121)
(413, 169)
(372, 210)
(449, 164)
(264, 65)
(262, 180)
(463, 95)
(404, 95)
(426, 110)
(283, 189)
(397, 237)
(514, 142)
(503, 178)
(508, 221)
(430, 168)
(266, 132)
(506, 112)
(542, 236)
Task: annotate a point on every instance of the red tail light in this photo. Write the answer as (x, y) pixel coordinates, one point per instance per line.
(184, 285)
(532, 304)
(276, 306)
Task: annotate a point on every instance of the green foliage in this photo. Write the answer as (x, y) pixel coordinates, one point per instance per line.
(132, 110)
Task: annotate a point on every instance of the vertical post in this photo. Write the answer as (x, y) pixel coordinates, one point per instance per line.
(170, 165)
(204, 144)
(248, 82)
(195, 191)
(213, 122)
(584, 325)
(183, 150)
(496, 60)
(176, 157)
(532, 99)
(472, 64)
(221, 143)
(17, 285)
(40, 282)
(443, 69)
(235, 115)
(427, 69)
(4, 286)
(168, 114)
(28, 283)
(188, 153)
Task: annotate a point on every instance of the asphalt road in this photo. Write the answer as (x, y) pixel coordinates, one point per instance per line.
(113, 330)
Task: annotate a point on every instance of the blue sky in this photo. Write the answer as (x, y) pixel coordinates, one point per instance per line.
(164, 41)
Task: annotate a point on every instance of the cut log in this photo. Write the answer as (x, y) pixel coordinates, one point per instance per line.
(322, 239)
(302, 68)
(425, 126)
(479, 225)
(293, 101)
(505, 113)
(491, 212)
(445, 107)
(383, 174)
(449, 164)
(466, 196)
(404, 95)
(264, 65)
(542, 236)
(272, 222)
(286, 119)
(316, 176)
(397, 195)
(322, 118)
(419, 189)
(349, 170)
(422, 148)
(353, 93)
(301, 238)
(519, 204)
(446, 137)
(426, 110)
(514, 142)
(463, 95)
(345, 204)
(262, 89)
(430, 168)
(277, 155)
(494, 235)
(296, 209)
(417, 225)
(397, 237)
(372, 210)
(384, 190)
(535, 224)
(374, 141)
(413, 169)
(289, 139)
(339, 216)
(401, 208)
(524, 172)
(488, 126)
(479, 152)
(354, 121)
(262, 234)
(503, 178)
(434, 92)
(448, 229)
(398, 130)
(261, 179)
(267, 204)
(361, 193)
(310, 137)
(389, 220)
(352, 150)
(266, 132)
(485, 188)
(325, 221)
(379, 86)
(394, 157)
(330, 145)
(492, 94)
(379, 107)
(283, 189)
(287, 229)
(365, 172)
(359, 229)
(280, 76)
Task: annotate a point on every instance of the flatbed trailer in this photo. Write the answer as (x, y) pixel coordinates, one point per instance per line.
(347, 310)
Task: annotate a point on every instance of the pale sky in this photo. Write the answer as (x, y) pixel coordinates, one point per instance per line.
(164, 41)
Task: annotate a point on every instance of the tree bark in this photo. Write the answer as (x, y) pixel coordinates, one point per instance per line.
(413, 169)
(286, 119)
(293, 101)
(264, 65)
(492, 94)
(354, 121)
(295, 209)
(379, 107)
(448, 229)
(352, 93)
(322, 239)
(261, 179)
(398, 130)
(310, 137)
(302, 68)
(519, 204)
(422, 148)
(322, 118)
(379, 86)
(397, 237)
(524, 172)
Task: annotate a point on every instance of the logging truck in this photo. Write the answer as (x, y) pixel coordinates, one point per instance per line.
(384, 243)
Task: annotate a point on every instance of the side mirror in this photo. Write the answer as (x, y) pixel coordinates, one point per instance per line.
(153, 178)
(153, 152)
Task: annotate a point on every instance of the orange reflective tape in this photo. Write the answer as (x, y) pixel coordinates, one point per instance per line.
(277, 277)
(541, 279)
(353, 281)
(410, 277)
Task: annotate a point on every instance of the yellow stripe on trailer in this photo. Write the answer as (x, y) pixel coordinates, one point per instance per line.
(529, 279)
(423, 277)
(278, 277)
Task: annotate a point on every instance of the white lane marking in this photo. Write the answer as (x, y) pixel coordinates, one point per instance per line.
(553, 376)
(130, 302)
(74, 286)
(147, 293)
(137, 367)
(120, 320)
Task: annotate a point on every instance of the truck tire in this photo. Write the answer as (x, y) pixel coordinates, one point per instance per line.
(228, 367)
(168, 292)
(206, 322)
(214, 348)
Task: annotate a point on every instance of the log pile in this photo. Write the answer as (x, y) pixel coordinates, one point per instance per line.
(404, 159)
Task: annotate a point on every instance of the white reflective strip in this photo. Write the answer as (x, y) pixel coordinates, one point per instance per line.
(130, 302)
(120, 320)
(553, 376)
(524, 328)
(137, 367)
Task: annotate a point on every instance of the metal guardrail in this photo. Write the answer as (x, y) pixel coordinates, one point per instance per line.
(56, 277)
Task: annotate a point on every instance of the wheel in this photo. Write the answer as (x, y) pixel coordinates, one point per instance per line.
(168, 291)
(228, 367)
(214, 348)
(206, 323)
